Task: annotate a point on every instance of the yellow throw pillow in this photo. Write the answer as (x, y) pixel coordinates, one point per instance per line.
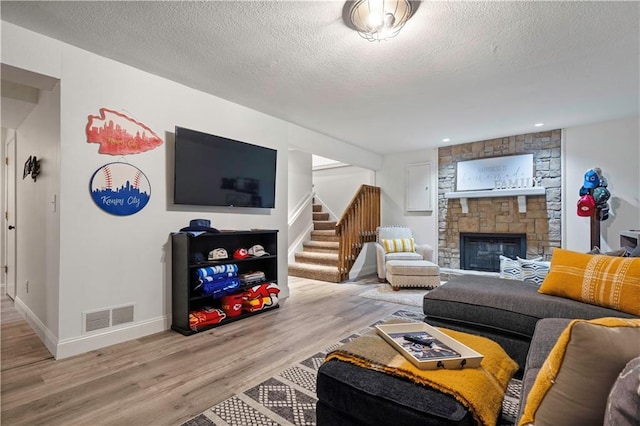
(612, 282)
(398, 245)
(573, 385)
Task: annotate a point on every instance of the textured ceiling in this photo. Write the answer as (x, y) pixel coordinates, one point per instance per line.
(461, 70)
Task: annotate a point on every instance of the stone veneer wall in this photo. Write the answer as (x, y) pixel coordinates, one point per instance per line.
(542, 220)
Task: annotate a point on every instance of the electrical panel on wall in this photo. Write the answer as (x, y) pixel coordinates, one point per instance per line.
(418, 194)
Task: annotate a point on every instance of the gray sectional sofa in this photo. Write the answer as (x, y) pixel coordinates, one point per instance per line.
(544, 338)
(505, 311)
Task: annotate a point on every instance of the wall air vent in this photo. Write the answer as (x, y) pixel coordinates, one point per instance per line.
(107, 317)
(96, 320)
(122, 315)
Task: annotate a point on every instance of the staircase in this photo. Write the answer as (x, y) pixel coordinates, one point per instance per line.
(335, 246)
(319, 257)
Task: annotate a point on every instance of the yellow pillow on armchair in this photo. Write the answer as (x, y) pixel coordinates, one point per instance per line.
(611, 282)
(398, 245)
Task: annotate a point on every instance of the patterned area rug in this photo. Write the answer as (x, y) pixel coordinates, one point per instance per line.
(289, 398)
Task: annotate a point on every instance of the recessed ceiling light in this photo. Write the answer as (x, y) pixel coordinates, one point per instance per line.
(539, 124)
(446, 140)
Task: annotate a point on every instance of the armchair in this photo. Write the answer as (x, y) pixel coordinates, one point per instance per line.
(398, 251)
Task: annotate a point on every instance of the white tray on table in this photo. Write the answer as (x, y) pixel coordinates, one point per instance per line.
(444, 352)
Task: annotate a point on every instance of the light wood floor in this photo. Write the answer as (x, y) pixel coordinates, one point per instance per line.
(167, 378)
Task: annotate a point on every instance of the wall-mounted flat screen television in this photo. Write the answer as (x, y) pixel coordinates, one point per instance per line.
(216, 171)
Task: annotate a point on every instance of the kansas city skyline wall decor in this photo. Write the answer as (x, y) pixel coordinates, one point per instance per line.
(119, 134)
(120, 189)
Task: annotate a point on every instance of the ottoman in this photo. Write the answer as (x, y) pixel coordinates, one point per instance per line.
(349, 395)
(412, 273)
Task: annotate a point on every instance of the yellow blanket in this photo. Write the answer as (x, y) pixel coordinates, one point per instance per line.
(480, 389)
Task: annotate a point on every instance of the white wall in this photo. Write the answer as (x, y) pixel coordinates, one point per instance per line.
(37, 224)
(300, 179)
(110, 260)
(325, 146)
(30, 51)
(392, 179)
(614, 146)
(300, 205)
(336, 186)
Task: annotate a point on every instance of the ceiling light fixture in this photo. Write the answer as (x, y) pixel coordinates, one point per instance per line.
(446, 140)
(539, 124)
(378, 20)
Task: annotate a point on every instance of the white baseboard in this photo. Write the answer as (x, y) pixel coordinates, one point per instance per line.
(297, 245)
(42, 331)
(112, 336)
(77, 345)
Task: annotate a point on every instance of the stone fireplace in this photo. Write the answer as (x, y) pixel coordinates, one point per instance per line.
(540, 223)
(481, 251)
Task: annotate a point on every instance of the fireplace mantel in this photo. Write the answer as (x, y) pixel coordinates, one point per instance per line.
(521, 193)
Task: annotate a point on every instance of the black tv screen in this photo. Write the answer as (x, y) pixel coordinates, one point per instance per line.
(215, 171)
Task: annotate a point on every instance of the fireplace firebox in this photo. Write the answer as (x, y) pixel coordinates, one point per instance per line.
(481, 251)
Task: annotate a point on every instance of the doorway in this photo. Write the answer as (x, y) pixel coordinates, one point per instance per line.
(9, 214)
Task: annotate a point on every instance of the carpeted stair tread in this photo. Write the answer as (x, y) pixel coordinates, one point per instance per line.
(324, 225)
(319, 257)
(330, 259)
(323, 235)
(321, 246)
(320, 216)
(314, 272)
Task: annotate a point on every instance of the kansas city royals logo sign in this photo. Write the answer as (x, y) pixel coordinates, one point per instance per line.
(120, 189)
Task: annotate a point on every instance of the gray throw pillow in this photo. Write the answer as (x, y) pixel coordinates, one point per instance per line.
(623, 404)
(594, 250)
(620, 252)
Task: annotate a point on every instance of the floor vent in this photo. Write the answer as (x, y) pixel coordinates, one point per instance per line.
(105, 318)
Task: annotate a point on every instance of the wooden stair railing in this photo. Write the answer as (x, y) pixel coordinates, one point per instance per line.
(357, 226)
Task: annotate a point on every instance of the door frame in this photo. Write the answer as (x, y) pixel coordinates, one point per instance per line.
(9, 216)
